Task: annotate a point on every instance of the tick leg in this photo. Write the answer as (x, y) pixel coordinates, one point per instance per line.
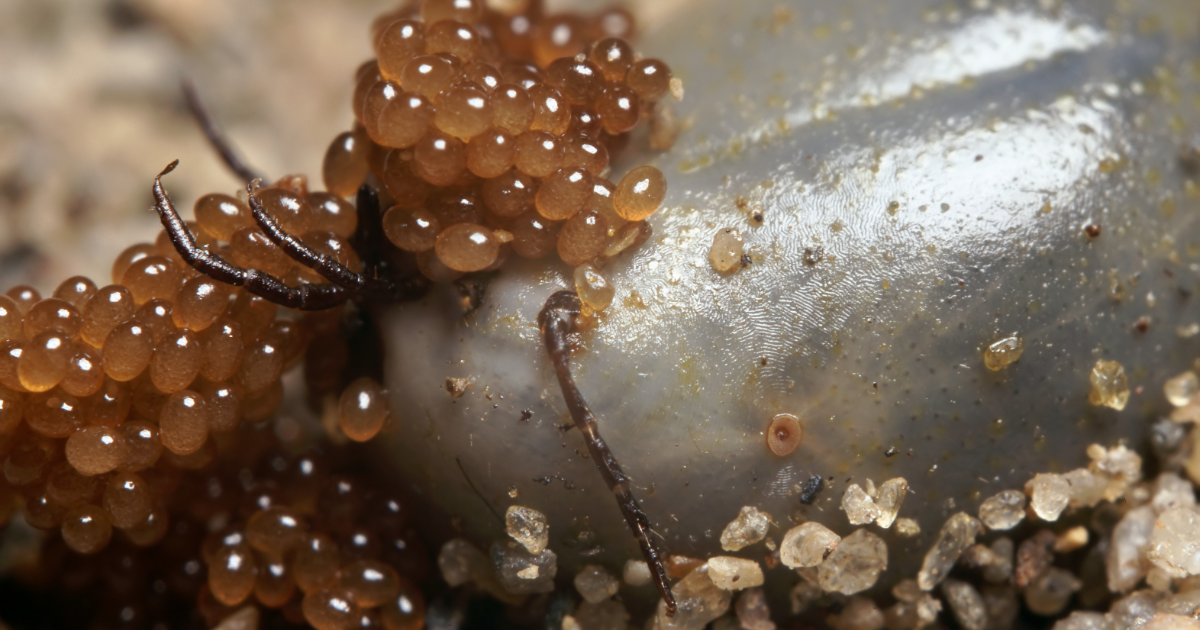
(379, 289)
(307, 297)
(214, 135)
(556, 321)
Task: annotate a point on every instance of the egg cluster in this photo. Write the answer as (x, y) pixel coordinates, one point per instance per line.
(291, 538)
(492, 132)
(328, 551)
(104, 390)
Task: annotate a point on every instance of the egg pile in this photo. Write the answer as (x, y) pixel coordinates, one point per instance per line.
(491, 134)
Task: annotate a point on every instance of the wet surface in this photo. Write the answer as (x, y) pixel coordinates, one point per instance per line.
(925, 176)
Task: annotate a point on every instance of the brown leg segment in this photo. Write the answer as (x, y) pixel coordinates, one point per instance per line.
(556, 321)
(209, 126)
(306, 297)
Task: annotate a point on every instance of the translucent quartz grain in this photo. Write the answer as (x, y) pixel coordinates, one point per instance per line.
(966, 604)
(289, 208)
(397, 45)
(411, 229)
(860, 508)
(752, 610)
(370, 582)
(459, 561)
(1002, 353)
(362, 409)
(232, 571)
(956, 535)
(44, 361)
(538, 153)
(613, 57)
(582, 238)
(528, 527)
(595, 584)
(1175, 542)
(594, 289)
(467, 247)
(439, 158)
(11, 319)
(725, 254)
(890, 498)
(1170, 491)
(183, 424)
(176, 361)
(220, 215)
(1182, 389)
(95, 450)
(86, 529)
(1049, 494)
(855, 565)
(733, 574)
(636, 573)
(52, 314)
(521, 572)
(127, 499)
(650, 79)
(76, 291)
(1049, 594)
(1003, 510)
(152, 278)
(699, 600)
(332, 214)
(640, 193)
(491, 153)
(1110, 386)
(345, 167)
(512, 108)
(331, 609)
(749, 527)
(619, 109)
(533, 236)
(249, 248)
(510, 194)
(110, 306)
(551, 113)
(223, 349)
(807, 545)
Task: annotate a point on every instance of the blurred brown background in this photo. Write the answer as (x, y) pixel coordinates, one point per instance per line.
(90, 111)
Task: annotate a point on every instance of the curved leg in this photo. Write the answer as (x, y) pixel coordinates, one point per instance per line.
(370, 287)
(215, 138)
(556, 320)
(308, 297)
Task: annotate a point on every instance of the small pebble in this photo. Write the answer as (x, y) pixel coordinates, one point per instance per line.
(855, 565)
(956, 535)
(528, 527)
(734, 574)
(749, 527)
(807, 545)
(1003, 510)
